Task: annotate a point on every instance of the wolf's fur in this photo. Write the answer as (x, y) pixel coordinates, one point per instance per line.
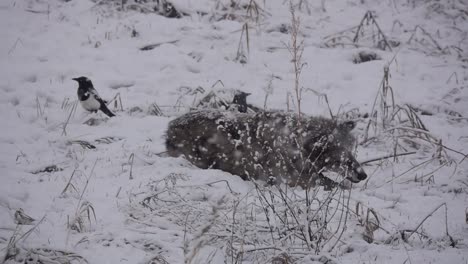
(268, 146)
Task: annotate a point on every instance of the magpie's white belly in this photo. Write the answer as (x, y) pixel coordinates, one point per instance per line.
(91, 104)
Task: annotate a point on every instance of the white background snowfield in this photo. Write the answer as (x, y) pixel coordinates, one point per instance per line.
(77, 187)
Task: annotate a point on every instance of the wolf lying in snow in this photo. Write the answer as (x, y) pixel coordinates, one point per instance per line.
(271, 146)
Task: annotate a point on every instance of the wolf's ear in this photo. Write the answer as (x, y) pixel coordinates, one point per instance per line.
(346, 126)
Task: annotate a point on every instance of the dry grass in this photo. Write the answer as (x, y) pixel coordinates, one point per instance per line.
(241, 55)
(267, 221)
(366, 33)
(117, 100)
(84, 214)
(296, 49)
(71, 111)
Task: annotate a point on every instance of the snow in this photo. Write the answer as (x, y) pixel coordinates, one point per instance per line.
(137, 205)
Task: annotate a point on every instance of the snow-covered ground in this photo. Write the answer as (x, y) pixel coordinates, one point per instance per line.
(123, 202)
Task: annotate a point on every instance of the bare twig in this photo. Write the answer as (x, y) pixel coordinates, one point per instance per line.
(130, 161)
(387, 157)
(227, 184)
(429, 215)
(152, 46)
(240, 56)
(72, 111)
(18, 40)
(69, 184)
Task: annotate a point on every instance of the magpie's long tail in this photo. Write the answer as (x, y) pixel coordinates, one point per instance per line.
(106, 110)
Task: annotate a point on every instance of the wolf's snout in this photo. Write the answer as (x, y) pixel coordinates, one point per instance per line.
(362, 176)
(359, 175)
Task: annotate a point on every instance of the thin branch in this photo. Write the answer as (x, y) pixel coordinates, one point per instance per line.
(387, 157)
(429, 215)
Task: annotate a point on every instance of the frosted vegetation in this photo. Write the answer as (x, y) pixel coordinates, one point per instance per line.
(80, 187)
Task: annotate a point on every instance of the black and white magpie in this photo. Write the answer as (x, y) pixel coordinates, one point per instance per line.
(89, 97)
(239, 103)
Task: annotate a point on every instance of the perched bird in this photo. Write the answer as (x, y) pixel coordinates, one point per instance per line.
(240, 101)
(89, 97)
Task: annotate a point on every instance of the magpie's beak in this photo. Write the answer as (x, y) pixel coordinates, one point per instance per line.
(75, 79)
